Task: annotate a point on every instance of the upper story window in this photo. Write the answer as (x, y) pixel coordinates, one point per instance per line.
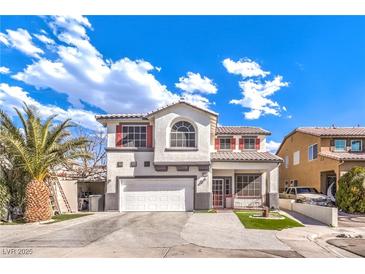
(134, 136)
(182, 135)
(286, 161)
(356, 145)
(296, 158)
(225, 143)
(340, 145)
(249, 143)
(312, 152)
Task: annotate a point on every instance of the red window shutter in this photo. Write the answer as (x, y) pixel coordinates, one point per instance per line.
(217, 144)
(257, 143)
(119, 136)
(241, 144)
(149, 136)
(233, 143)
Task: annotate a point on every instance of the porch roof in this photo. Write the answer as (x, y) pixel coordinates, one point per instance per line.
(344, 156)
(245, 130)
(245, 156)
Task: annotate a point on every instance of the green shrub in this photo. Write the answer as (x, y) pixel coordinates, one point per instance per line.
(4, 199)
(350, 196)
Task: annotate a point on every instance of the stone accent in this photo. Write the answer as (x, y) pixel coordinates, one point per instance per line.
(111, 201)
(273, 200)
(203, 200)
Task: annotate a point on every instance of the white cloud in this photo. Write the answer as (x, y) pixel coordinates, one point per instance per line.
(194, 82)
(22, 41)
(272, 146)
(4, 70)
(13, 96)
(44, 39)
(244, 67)
(255, 91)
(81, 72)
(196, 99)
(254, 97)
(4, 39)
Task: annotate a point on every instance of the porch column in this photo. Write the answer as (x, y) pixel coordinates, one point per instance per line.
(273, 187)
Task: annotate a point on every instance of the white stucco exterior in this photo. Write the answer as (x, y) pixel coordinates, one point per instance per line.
(201, 168)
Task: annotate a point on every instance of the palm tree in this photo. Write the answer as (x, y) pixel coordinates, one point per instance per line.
(38, 147)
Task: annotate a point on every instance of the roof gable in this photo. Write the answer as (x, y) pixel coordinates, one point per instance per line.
(178, 103)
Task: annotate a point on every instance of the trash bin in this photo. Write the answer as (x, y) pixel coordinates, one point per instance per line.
(96, 203)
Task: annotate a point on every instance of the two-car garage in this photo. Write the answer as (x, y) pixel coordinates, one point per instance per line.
(156, 194)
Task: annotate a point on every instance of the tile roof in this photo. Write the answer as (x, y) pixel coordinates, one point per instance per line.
(345, 156)
(245, 156)
(241, 130)
(333, 131)
(117, 116)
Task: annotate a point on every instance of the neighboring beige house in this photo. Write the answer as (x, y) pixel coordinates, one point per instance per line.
(318, 156)
(177, 159)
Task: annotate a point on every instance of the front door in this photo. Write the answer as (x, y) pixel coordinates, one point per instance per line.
(218, 187)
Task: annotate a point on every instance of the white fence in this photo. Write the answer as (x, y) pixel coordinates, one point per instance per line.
(326, 215)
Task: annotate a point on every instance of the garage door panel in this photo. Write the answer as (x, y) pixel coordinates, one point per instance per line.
(157, 195)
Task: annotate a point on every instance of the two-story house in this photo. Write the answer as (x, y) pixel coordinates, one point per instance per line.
(318, 156)
(177, 159)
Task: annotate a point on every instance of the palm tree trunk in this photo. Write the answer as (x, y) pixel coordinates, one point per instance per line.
(38, 203)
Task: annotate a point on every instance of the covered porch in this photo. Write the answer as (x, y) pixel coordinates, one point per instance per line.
(245, 184)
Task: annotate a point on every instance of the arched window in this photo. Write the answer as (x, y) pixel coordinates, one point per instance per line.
(182, 135)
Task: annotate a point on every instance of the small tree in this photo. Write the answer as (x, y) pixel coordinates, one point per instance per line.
(350, 196)
(37, 148)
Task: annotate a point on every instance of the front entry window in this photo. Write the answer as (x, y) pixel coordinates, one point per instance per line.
(182, 135)
(248, 186)
(227, 187)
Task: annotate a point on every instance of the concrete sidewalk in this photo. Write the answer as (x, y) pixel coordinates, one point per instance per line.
(224, 230)
(312, 240)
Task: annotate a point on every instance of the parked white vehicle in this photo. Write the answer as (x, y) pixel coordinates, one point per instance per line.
(304, 194)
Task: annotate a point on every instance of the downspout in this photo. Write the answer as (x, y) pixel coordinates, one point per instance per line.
(339, 172)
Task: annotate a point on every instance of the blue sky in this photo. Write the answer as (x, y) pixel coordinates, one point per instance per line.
(276, 72)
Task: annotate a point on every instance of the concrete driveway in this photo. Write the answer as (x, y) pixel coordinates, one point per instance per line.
(224, 230)
(130, 235)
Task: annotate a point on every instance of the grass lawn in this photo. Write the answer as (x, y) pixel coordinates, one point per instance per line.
(67, 216)
(56, 218)
(253, 223)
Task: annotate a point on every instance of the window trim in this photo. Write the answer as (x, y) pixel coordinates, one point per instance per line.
(248, 196)
(124, 145)
(311, 147)
(225, 138)
(228, 180)
(355, 140)
(294, 153)
(286, 161)
(334, 145)
(190, 132)
(249, 138)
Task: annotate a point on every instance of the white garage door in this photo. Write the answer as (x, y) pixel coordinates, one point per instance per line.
(157, 194)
